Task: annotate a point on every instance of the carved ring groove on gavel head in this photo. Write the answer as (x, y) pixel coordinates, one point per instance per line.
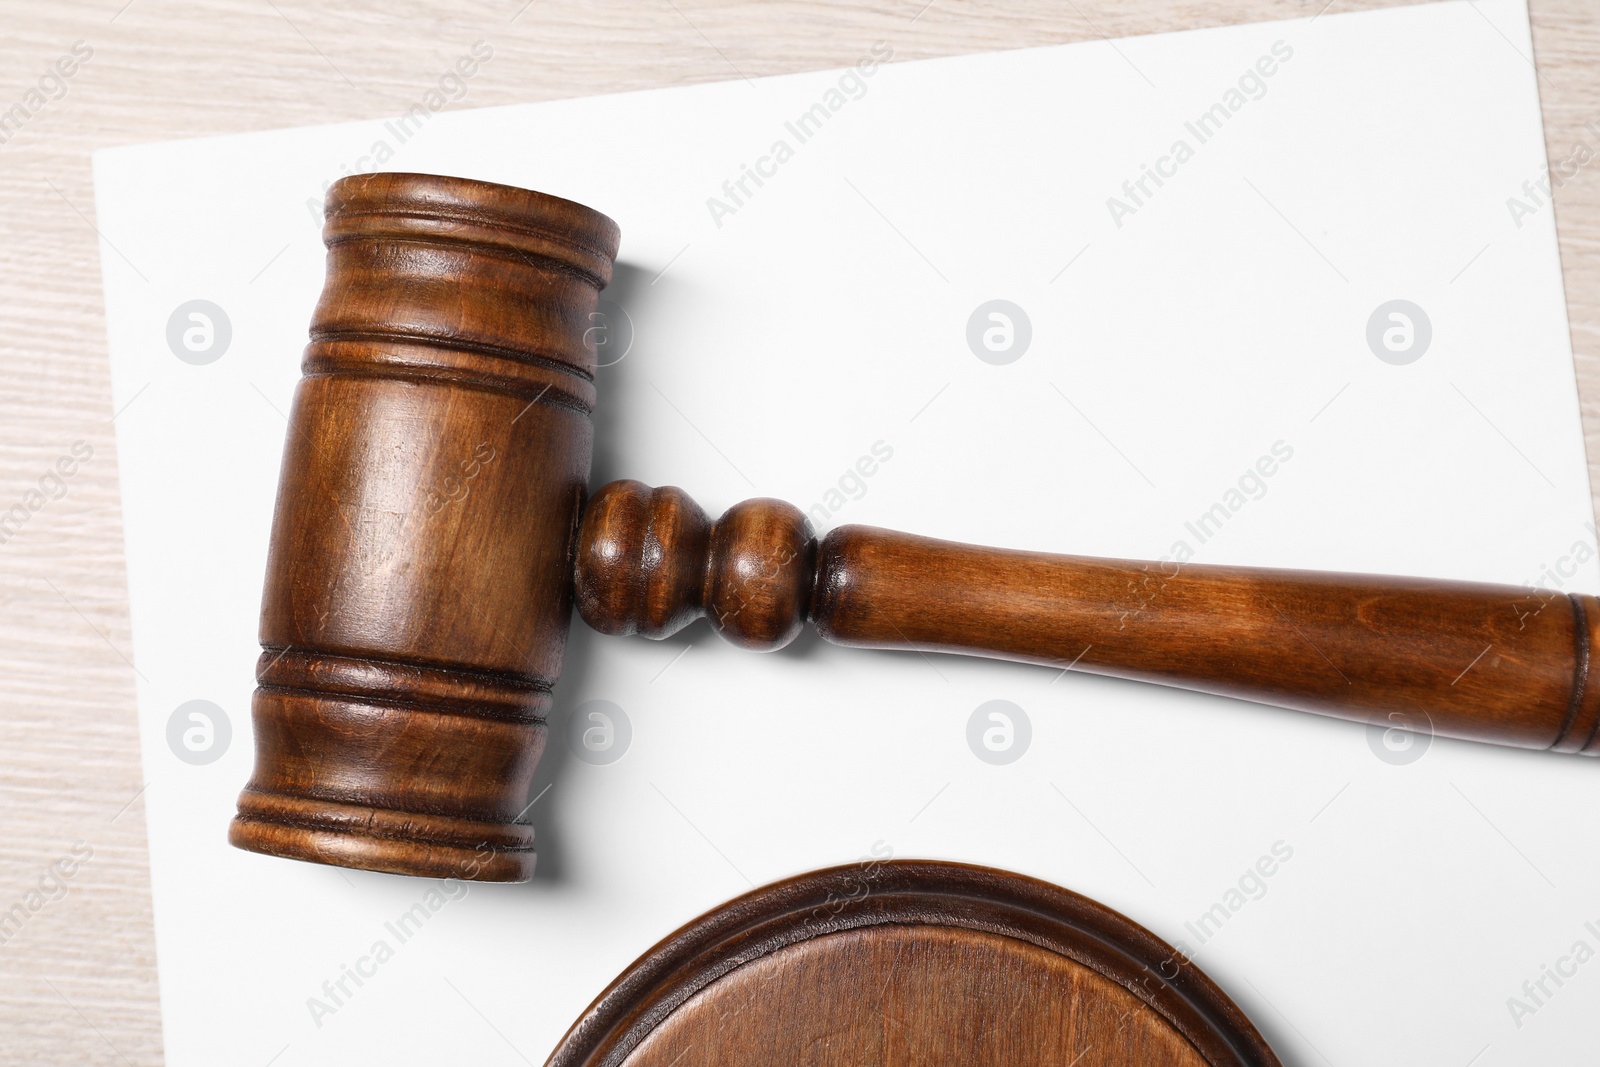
(427, 550)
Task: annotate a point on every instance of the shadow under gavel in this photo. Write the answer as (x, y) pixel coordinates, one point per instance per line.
(432, 535)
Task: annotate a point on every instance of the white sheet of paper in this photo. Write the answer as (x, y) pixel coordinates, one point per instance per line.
(1215, 318)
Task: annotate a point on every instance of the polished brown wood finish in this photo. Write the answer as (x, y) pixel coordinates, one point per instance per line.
(419, 582)
(913, 962)
(1482, 662)
(650, 562)
(427, 550)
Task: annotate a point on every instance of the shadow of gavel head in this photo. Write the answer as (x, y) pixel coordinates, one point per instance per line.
(432, 535)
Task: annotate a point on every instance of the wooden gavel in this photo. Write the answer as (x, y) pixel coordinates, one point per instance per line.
(431, 536)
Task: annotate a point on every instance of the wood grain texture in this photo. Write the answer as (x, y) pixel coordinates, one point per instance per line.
(426, 552)
(1458, 659)
(914, 995)
(1493, 663)
(912, 962)
(419, 581)
(650, 562)
(78, 982)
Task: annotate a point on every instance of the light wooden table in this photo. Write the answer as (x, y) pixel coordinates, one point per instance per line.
(78, 978)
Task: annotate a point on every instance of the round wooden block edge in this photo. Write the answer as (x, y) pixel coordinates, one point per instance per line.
(910, 892)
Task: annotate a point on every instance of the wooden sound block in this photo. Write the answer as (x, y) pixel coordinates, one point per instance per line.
(911, 963)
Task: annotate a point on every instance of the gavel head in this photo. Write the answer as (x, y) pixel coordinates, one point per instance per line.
(419, 580)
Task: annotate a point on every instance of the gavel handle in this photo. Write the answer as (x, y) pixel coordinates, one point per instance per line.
(1498, 664)
(1483, 662)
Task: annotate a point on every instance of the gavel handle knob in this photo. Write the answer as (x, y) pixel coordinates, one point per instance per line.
(1498, 664)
